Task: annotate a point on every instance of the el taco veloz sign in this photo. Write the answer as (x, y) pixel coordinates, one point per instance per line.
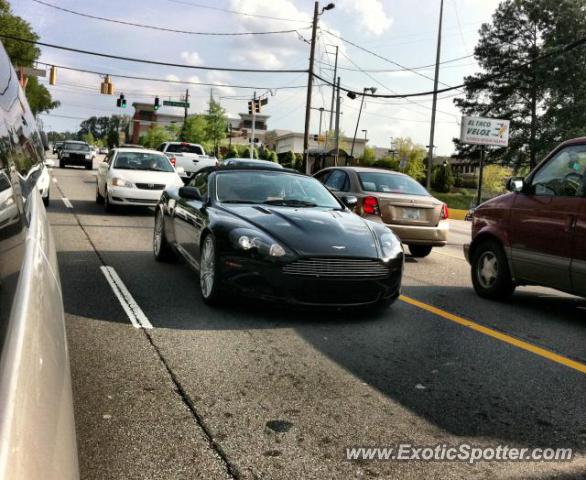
(485, 131)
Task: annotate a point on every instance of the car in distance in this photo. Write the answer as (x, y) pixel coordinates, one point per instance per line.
(247, 162)
(536, 234)
(274, 234)
(78, 153)
(134, 176)
(56, 147)
(395, 199)
(189, 156)
(103, 151)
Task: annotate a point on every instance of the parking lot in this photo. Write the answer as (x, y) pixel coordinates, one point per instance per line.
(252, 390)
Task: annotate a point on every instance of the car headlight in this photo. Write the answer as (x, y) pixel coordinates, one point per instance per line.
(7, 203)
(120, 182)
(88, 156)
(391, 245)
(252, 240)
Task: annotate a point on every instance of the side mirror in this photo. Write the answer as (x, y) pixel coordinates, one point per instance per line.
(192, 193)
(350, 201)
(515, 184)
(180, 170)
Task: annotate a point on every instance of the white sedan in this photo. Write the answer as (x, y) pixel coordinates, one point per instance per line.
(133, 176)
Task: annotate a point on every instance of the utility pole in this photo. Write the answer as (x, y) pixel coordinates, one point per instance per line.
(434, 103)
(309, 88)
(321, 114)
(357, 122)
(253, 126)
(338, 100)
(334, 89)
(186, 104)
(480, 175)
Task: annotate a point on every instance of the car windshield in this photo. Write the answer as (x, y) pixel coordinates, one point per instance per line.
(77, 147)
(390, 183)
(272, 188)
(184, 148)
(142, 161)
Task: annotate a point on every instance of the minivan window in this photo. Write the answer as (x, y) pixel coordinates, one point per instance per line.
(184, 148)
(563, 175)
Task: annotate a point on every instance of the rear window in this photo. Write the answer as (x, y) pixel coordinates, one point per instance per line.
(390, 183)
(184, 148)
(77, 147)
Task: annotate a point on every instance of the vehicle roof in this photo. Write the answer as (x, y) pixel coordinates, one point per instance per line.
(252, 161)
(74, 141)
(138, 150)
(263, 167)
(366, 169)
(573, 141)
(182, 143)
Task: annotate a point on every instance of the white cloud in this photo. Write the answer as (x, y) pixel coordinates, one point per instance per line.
(371, 14)
(191, 58)
(173, 78)
(257, 58)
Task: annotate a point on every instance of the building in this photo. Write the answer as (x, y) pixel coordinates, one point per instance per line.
(145, 116)
(283, 141)
(241, 128)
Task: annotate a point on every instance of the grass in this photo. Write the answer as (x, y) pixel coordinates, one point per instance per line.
(461, 201)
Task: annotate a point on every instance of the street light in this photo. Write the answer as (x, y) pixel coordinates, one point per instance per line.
(352, 95)
(329, 6)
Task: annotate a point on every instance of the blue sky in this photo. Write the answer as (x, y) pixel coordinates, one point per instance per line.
(401, 30)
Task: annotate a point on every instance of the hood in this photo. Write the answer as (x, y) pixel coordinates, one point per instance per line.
(142, 176)
(312, 231)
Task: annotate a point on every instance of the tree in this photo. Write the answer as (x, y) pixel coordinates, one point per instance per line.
(88, 138)
(194, 129)
(442, 178)
(24, 55)
(215, 124)
(387, 162)
(155, 136)
(368, 157)
(541, 98)
(494, 179)
(413, 156)
(289, 159)
(233, 152)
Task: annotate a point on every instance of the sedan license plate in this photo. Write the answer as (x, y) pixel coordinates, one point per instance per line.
(411, 214)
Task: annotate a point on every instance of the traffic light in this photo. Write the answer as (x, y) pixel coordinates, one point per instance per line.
(250, 108)
(157, 103)
(107, 87)
(121, 102)
(53, 76)
(316, 138)
(257, 106)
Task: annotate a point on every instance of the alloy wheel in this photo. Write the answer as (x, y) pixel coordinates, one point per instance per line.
(487, 269)
(207, 267)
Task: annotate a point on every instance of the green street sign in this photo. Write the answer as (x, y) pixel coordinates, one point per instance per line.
(171, 103)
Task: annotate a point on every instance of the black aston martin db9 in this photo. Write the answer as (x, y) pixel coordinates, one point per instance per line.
(275, 234)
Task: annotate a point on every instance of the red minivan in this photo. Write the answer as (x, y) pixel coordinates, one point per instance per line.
(535, 235)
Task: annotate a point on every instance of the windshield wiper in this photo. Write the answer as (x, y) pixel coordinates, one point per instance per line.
(290, 203)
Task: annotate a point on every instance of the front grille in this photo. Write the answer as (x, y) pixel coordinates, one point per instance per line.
(150, 186)
(337, 268)
(141, 200)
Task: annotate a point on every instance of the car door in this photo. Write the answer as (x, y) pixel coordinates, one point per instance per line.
(543, 219)
(190, 218)
(102, 174)
(579, 250)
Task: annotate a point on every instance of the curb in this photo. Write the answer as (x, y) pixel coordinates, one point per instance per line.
(456, 214)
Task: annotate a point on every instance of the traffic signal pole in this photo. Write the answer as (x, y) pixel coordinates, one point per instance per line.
(309, 88)
(253, 126)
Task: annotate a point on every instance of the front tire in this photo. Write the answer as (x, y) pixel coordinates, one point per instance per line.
(88, 166)
(208, 278)
(420, 251)
(99, 198)
(162, 250)
(491, 276)
(108, 207)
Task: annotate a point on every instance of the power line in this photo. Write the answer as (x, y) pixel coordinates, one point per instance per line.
(355, 45)
(164, 29)
(237, 12)
(479, 81)
(396, 70)
(165, 80)
(150, 62)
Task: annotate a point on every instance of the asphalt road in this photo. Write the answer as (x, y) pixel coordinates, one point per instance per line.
(252, 391)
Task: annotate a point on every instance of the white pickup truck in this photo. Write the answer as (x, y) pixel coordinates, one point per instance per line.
(190, 156)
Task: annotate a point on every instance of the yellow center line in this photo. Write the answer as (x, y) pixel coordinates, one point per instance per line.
(503, 337)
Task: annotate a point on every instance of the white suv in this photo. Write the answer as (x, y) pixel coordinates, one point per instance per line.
(190, 156)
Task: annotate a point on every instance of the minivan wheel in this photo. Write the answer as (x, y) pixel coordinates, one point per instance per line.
(420, 251)
(491, 276)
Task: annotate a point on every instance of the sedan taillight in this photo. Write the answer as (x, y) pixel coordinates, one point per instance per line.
(173, 161)
(445, 212)
(370, 206)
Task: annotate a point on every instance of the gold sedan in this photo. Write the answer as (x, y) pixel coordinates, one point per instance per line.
(395, 199)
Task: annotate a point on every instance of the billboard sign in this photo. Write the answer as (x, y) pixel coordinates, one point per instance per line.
(485, 131)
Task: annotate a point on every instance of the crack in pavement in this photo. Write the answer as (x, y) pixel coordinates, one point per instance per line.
(231, 469)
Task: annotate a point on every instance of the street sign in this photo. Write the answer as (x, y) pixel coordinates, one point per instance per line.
(485, 131)
(34, 72)
(171, 103)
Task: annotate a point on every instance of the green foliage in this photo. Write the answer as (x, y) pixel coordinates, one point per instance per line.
(289, 159)
(155, 136)
(413, 156)
(233, 152)
(270, 155)
(24, 55)
(194, 129)
(215, 129)
(545, 100)
(494, 179)
(460, 201)
(88, 138)
(387, 162)
(173, 130)
(368, 157)
(442, 179)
